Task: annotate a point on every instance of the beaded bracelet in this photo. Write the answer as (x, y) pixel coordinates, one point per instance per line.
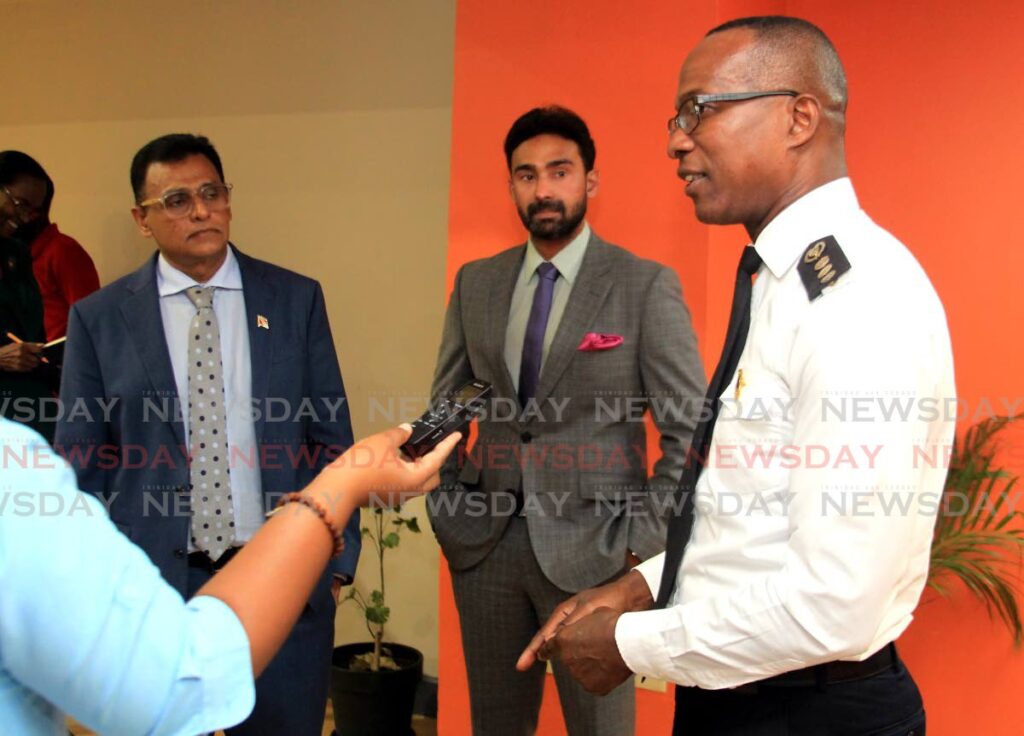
(297, 497)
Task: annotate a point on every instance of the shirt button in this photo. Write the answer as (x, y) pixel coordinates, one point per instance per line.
(526, 437)
(180, 554)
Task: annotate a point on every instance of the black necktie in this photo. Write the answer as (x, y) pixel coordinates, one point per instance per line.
(680, 526)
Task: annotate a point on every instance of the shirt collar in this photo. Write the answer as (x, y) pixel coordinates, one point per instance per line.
(567, 261)
(170, 280)
(812, 217)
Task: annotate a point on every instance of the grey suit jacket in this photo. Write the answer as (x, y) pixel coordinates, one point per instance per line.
(580, 455)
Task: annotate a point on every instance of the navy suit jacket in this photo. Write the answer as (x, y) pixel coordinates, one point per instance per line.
(126, 442)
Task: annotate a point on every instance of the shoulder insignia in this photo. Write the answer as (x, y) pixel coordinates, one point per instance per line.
(821, 265)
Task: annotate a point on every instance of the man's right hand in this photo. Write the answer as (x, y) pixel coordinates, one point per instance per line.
(20, 357)
(628, 593)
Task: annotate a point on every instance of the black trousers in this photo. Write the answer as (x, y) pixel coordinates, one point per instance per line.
(884, 704)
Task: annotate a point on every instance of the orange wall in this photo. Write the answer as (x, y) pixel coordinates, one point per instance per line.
(934, 150)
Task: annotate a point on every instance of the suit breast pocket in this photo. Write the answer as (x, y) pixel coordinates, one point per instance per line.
(612, 369)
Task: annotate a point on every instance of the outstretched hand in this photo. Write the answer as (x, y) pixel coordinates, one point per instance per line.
(374, 471)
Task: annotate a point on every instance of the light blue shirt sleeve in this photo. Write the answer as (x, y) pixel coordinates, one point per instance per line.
(89, 627)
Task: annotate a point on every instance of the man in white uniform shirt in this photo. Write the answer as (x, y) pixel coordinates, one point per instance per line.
(804, 550)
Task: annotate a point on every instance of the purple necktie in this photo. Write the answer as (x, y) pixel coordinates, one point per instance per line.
(533, 343)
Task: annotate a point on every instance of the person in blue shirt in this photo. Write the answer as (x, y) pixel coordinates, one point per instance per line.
(89, 627)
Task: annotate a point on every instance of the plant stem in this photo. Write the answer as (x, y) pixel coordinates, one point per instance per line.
(380, 560)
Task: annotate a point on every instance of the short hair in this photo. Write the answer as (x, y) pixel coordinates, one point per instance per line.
(551, 120)
(170, 148)
(15, 165)
(779, 36)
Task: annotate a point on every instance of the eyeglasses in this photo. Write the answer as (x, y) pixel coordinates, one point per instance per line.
(688, 117)
(181, 202)
(23, 209)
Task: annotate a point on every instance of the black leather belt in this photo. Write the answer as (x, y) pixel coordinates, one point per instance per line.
(202, 560)
(822, 675)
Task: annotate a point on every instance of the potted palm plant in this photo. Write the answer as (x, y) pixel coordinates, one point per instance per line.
(373, 684)
(979, 535)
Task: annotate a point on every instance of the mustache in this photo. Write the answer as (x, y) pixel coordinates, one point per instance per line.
(548, 205)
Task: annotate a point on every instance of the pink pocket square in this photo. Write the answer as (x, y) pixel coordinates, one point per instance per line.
(598, 341)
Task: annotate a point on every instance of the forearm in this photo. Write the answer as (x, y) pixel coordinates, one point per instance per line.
(287, 556)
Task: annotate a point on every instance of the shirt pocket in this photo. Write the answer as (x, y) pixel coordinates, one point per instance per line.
(752, 444)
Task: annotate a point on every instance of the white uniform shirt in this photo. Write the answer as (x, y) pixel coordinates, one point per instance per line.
(815, 513)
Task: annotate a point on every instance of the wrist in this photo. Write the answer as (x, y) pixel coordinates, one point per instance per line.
(335, 497)
(303, 499)
(637, 592)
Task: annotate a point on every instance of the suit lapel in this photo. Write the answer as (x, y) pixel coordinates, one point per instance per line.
(141, 312)
(588, 294)
(499, 303)
(260, 309)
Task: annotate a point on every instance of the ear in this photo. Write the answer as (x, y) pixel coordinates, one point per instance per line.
(805, 120)
(593, 182)
(140, 222)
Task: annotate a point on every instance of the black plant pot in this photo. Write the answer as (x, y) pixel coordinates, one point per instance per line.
(374, 703)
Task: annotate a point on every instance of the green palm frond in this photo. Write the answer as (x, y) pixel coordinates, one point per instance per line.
(979, 539)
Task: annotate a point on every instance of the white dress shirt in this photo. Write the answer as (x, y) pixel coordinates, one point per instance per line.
(568, 262)
(176, 312)
(814, 516)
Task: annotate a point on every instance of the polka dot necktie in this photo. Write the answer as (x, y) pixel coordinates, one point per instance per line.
(213, 518)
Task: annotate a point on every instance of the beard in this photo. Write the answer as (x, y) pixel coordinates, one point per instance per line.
(556, 228)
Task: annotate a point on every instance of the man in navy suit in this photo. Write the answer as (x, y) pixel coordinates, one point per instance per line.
(199, 389)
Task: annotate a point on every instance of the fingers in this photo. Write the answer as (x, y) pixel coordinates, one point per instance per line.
(537, 649)
(397, 435)
(531, 654)
(429, 466)
(549, 649)
(434, 459)
(575, 615)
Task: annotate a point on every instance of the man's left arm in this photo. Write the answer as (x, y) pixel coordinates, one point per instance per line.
(330, 430)
(674, 384)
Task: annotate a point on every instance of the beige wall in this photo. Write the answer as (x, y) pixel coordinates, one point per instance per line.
(332, 119)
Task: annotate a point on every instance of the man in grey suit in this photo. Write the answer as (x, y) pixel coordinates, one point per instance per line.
(208, 386)
(579, 339)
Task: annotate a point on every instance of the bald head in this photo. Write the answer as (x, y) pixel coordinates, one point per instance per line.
(791, 53)
(745, 159)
